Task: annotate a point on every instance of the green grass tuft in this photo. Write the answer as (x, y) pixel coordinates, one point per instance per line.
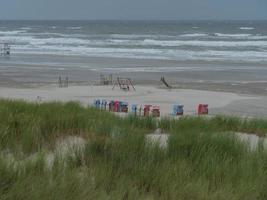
(204, 160)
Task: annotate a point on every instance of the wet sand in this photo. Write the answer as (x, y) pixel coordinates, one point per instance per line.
(42, 70)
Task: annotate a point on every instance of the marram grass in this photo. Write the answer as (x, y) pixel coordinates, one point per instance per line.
(203, 160)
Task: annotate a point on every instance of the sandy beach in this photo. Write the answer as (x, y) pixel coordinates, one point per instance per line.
(219, 102)
(233, 90)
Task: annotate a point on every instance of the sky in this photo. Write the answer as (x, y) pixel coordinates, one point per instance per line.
(134, 9)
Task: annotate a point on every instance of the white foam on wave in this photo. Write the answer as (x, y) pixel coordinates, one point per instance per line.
(150, 36)
(22, 39)
(47, 38)
(194, 35)
(75, 27)
(120, 41)
(26, 28)
(29, 39)
(176, 43)
(242, 36)
(130, 35)
(246, 28)
(169, 47)
(167, 54)
(232, 35)
(15, 32)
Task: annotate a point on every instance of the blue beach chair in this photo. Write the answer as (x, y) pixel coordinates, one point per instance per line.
(124, 107)
(97, 103)
(104, 104)
(134, 109)
(178, 110)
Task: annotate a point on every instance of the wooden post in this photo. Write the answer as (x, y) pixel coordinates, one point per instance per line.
(59, 82)
(67, 81)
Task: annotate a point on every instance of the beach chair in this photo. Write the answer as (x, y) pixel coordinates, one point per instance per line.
(203, 109)
(155, 111)
(140, 109)
(97, 103)
(178, 110)
(104, 104)
(147, 110)
(124, 107)
(111, 106)
(134, 109)
(116, 107)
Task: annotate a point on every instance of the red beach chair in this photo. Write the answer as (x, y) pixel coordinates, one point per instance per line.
(147, 110)
(116, 107)
(203, 109)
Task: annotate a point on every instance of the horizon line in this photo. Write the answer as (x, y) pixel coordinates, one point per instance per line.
(133, 19)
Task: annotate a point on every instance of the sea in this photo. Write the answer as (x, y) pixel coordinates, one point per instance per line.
(234, 42)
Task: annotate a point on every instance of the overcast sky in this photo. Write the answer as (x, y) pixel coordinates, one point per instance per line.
(133, 9)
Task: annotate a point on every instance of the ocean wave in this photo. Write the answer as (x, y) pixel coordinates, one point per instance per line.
(134, 36)
(183, 55)
(205, 43)
(20, 37)
(232, 35)
(28, 39)
(26, 28)
(246, 28)
(241, 36)
(75, 27)
(194, 35)
(15, 32)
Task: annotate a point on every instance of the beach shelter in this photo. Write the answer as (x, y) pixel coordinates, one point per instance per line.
(147, 110)
(155, 111)
(116, 107)
(97, 103)
(178, 110)
(111, 106)
(104, 104)
(203, 109)
(124, 107)
(134, 109)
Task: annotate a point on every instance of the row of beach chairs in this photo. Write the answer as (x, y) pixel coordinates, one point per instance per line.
(146, 110)
(112, 106)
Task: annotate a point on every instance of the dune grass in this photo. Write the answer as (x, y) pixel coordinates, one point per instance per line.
(203, 160)
(218, 124)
